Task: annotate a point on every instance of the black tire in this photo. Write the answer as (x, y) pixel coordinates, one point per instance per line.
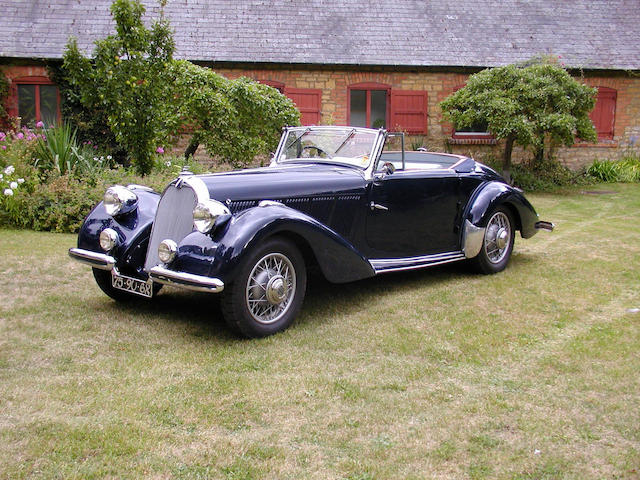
(497, 243)
(267, 293)
(103, 279)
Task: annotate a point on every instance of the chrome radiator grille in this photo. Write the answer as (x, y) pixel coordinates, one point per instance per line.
(174, 220)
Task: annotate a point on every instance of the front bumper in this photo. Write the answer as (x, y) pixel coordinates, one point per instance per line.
(188, 281)
(95, 259)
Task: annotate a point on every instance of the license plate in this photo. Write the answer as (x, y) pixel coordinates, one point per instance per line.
(132, 285)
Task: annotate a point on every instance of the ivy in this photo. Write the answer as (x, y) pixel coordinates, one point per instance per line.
(234, 119)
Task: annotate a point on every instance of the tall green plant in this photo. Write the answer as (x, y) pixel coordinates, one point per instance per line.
(129, 77)
(54, 151)
(531, 106)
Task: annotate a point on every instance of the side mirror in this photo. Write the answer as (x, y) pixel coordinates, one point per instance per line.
(388, 168)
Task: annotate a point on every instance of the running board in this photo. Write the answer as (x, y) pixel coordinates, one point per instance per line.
(383, 265)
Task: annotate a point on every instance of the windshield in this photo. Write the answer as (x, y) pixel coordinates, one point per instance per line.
(352, 146)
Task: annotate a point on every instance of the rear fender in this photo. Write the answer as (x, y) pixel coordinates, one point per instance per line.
(339, 261)
(490, 195)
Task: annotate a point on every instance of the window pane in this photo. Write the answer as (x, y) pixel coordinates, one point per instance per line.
(378, 108)
(27, 104)
(358, 108)
(475, 128)
(48, 104)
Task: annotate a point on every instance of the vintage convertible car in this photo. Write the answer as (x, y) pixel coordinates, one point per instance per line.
(334, 197)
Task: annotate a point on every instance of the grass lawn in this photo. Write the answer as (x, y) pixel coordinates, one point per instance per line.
(533, 373)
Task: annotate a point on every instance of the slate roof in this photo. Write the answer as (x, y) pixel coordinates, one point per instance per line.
(591, 34)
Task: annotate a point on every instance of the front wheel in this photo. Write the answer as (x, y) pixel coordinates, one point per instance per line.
(268, 291)
(497, 244)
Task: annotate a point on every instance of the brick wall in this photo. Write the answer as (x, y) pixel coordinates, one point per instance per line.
(438, 85)
(334, 85)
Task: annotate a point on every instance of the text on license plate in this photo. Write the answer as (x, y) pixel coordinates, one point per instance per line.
(132, 285)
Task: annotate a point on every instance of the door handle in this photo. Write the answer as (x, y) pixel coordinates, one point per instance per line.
(375, 206)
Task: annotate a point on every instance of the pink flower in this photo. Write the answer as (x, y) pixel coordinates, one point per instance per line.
(4, 147)
(40, 124)
(20, 135)
(159, 150)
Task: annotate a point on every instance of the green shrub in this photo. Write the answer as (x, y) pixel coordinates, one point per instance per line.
(625, 170)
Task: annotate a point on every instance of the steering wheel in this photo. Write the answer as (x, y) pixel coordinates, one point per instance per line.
(319, 151)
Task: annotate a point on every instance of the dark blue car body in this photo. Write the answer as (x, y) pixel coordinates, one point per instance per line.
(403, 210)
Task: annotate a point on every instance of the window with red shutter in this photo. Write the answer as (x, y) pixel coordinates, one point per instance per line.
(409, 111)
(604, 113)
(308, 101)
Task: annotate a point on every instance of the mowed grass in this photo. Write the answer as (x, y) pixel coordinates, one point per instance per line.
(529, 374)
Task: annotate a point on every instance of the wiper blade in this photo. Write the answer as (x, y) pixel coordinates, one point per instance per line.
(349, 135)
(297, 139)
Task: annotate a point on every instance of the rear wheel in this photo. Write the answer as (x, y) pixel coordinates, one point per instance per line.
(268, 291)
(497, 244)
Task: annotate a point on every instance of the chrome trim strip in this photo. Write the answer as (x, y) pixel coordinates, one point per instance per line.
(95, 259)
(472, 238)
(381, 265)
(188, 281)
(270, 203)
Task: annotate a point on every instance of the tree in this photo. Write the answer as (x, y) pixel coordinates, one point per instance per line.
(129, 79)
(234, 119)
(526, 105)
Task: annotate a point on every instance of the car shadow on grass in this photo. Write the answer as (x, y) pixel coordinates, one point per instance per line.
(201, 315)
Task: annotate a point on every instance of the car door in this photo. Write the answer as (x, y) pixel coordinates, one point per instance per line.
(413, 213)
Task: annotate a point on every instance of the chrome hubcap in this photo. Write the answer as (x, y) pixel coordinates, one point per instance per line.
(497, 239)
(270, 288)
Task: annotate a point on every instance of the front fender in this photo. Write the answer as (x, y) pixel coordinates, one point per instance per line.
(221, 254)
(133, 229)
(490, 195)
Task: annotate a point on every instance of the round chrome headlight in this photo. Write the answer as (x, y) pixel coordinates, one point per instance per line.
(167, 250)
(207, 213)
(119, 199)
(108, 239)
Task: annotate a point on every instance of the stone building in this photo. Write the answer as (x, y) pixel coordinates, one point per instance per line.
(362, 62)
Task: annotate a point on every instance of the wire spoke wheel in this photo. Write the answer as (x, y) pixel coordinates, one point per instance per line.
(270, 288)
(498, 237)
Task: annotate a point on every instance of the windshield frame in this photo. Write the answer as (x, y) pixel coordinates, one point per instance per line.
(347, 131)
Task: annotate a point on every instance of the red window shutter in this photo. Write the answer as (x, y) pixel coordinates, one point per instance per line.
(409, 111)
(308, 101)
(604, 113)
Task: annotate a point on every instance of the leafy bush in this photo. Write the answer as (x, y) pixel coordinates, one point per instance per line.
(128, 77)
(625, 170)
(536, 106)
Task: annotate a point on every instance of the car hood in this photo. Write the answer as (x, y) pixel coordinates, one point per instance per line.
(273, 183)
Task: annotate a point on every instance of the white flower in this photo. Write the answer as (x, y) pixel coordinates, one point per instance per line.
(9, 170)
(21, 180)
(109, 157)
(13, 185)
(95, 159)
(1, 176)
(8, 192)
(167, 163)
